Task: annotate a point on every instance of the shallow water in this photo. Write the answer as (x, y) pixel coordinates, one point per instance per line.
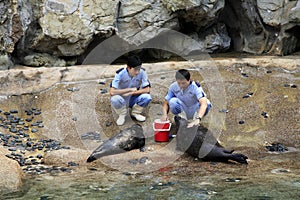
(273, 176)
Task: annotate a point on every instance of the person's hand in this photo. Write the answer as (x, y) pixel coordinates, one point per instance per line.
(133, 89)
(164, 118)
(195, 122)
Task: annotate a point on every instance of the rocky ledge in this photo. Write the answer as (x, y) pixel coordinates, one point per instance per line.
(52, 115)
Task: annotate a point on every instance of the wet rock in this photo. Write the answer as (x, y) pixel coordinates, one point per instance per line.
(143, 149)
(280, 171)
(108, 124)
(245, 75)
(248, 95)
(63, 156)
(264, 114)
(224, 111)
(133, 161)
(34, 130)
(43, 169)
(13, 111)
(161, 186)
(72, 164)
(233, 180)
(143, 159)
(103, 91)
(10, 173)
(91, 136)
(276, 147)
(102, 82)
(290, 85)
(241, 122)
(73, 89)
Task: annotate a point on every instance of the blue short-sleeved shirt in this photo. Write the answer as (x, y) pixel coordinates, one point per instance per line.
(190, 96)
(123, 80)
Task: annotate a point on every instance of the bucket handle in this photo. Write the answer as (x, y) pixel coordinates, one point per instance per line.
(162, 129)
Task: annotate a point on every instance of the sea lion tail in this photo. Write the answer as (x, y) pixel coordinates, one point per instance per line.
(91, 159)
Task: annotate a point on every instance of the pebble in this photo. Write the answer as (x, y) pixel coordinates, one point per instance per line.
(73, 89)
(133, 161)
(290, 85)
(72, 164)
(102, 82)
(249, 94)
(245, 75)
(276, 147)
(279, 171)
(224, 111)
(143, 149)
(233, 180)
(39, 156)
(264, 114)
(34, 130)
(13, 111)
(91, 136)
(108, 124)
(103, 91)
(241, 122)
(143, 159)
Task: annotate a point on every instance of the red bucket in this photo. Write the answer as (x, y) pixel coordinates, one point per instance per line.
(161, 130)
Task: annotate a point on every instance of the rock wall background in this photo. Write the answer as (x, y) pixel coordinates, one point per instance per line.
(61, 32)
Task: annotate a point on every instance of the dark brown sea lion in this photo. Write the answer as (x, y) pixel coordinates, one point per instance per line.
(126, 140)
(199, 142)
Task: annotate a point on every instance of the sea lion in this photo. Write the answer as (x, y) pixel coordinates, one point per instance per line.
(199, 142)
(126, 140)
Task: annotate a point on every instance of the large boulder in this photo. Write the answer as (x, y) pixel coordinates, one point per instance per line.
(263, 26)
(10, 173)
(64, 156)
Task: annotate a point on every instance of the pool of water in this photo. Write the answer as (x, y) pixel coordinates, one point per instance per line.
(272, 176)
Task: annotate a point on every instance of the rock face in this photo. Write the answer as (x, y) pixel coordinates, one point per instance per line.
(10, 173)
(263, 26)
(62, 32)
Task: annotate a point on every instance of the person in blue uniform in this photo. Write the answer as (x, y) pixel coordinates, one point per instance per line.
(130, 88)
(186, 99)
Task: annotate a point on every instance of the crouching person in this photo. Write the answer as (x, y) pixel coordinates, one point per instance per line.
(130, 89)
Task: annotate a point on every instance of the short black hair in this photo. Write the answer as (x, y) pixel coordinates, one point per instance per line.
(183, 74)
(134, 61)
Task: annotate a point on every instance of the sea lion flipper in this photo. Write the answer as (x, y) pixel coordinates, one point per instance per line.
(240, 158)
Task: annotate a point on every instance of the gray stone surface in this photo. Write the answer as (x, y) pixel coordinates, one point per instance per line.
(65, 29)
(10, 173)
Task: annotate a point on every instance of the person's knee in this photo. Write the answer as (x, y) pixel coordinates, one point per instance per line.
(117, 101)
(144, 100)
(175, 106)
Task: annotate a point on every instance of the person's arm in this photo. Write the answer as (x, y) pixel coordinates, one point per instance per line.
(124, 92)
(203, 107)
(164, 116)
